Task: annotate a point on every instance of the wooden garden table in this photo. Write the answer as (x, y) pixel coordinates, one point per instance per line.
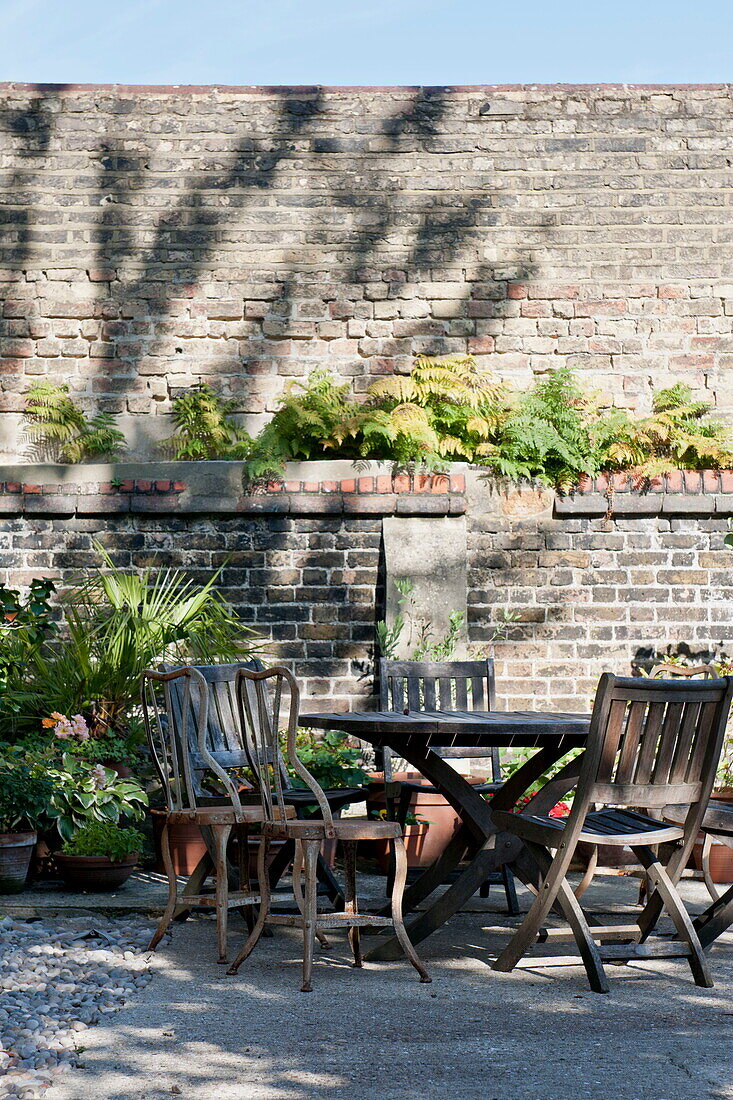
(461, 734)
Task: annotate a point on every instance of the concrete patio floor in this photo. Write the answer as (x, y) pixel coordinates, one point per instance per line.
(380, 1034)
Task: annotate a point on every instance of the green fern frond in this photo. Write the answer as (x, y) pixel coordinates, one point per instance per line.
(53, 418)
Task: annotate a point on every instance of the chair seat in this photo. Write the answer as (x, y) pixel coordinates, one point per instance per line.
(221, 815)
(613, 826)
(718, 817)
(348, 828)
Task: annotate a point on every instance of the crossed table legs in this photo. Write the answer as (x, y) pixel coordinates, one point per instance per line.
(478, 837)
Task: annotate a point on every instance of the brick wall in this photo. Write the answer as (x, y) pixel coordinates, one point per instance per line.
(151, 238)
(593, 591)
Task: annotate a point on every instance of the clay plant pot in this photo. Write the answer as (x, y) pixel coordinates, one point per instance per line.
(416, 837)
(430, 807)
(16, 850)
(721, 861)
(95, 873)
(186, 841)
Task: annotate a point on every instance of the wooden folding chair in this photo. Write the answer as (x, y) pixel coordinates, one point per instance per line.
(260, 717)
(651, 743)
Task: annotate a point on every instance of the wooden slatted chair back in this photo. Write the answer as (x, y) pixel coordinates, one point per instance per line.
(654, 742)
(176, 713)
(224, 738)
(268, 702)
(438, 685)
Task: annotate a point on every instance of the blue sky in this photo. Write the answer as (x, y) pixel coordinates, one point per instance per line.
(372, 42)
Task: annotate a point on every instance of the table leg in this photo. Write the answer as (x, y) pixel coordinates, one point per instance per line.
(486, 848)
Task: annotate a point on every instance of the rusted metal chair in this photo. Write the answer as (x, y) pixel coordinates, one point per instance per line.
(226, 740)
(175, 709)
(260, 711)
(440, 685)
(652, 743)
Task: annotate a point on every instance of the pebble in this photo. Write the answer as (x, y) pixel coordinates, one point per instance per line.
(57, 979)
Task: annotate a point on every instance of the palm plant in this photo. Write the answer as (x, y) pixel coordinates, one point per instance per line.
(117, 624)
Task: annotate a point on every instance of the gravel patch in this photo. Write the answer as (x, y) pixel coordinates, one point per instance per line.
(58, 978)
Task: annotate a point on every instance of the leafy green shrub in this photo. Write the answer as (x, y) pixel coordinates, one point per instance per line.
(115, 625)
(84, 794)
(316, 419)
(25, 795)
(56, 421)
(204, 428)
(547, 435)
(330, 759)
(24, 626)
(100, 838)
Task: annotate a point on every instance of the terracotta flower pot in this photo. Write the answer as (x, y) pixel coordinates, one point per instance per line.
(416, 837)
(95, 873)
(16, 850)
(186, 841)
(430, 807)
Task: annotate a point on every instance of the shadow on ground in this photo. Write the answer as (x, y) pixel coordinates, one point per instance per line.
(378, 1033)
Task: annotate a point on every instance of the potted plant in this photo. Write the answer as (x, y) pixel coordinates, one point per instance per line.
(25, 796)
(415, 835)
(99, 856)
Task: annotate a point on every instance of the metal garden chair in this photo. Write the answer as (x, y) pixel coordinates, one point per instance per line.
(176, 715)
(225, 737)
(260, 717)
(652, 743)
(441, 685)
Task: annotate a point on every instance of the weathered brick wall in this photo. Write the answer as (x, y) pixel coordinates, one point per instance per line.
(592, 592)
(153, 238)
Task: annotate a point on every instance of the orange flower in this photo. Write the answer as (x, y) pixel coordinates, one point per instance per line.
(48, 723)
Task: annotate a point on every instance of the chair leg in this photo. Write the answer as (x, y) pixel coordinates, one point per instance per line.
(526, 935)
(575, 917)
(298, 891)
(264, 885)
(510, 891)
(165, 844)
(398, 889)
(665, 888)
(310, 911)
(706, 846)
(351, 905)
(194, 886)
(588, 873)
(221, 837)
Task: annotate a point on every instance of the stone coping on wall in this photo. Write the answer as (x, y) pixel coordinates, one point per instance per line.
(307, 488)
(680, 492)
(337, 487)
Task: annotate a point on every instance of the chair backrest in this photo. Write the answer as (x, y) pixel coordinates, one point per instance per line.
(654, 742)
(263, 696)
(437, 685)
(224, 740)
(175, 708)
(669, 671)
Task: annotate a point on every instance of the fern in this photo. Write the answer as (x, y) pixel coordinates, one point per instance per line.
(204, 429)
(546, 435)
(56, 421)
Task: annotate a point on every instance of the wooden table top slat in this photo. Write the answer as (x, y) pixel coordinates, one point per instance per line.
(458, 728)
